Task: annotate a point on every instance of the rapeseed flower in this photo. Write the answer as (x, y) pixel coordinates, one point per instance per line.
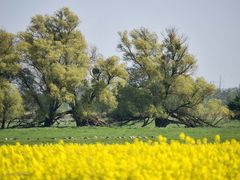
(188, 159)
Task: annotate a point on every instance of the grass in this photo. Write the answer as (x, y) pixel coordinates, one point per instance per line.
(111, 134)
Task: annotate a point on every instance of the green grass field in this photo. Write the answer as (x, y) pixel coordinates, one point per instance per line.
(112, 134)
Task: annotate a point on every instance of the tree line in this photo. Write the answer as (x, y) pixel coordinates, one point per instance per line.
(48, 72)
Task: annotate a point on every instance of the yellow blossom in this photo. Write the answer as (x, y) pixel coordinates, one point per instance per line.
(137, 160)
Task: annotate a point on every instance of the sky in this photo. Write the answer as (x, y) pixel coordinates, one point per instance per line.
(211, 26)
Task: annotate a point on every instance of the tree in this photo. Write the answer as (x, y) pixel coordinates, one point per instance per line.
(9, 60)
(227, 95)
(234, 106)
(98, 97)
(10, 99)
(212, 112)
(135, 104)
(11, 105)
(55, 63)
(164, 71)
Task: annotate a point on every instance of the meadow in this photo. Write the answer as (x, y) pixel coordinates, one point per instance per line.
(115, 134)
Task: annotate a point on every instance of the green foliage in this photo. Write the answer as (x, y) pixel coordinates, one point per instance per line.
(133, 102)
(98, 97)
(11, 105)
(55, 61)
(234, 105)
(57, 76)
(213, 111)
(163, 71)
(112, 76)
(227, 95)
(9, 60)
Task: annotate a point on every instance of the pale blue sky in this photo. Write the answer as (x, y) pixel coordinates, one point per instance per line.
(212, 26)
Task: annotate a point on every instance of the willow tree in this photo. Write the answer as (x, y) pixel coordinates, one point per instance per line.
(9, 60)
(234, 106)
(163, 71)
(11, 106)
(55, 62)
(98, 97)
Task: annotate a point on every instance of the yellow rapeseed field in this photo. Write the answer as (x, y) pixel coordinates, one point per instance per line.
(186, 158)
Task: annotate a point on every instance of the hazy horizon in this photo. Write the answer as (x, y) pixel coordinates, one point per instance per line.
(212, 27)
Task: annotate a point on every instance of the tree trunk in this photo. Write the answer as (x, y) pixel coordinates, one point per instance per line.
(49, 119)
(48, 122)
(3, 119)
(159, 122)
(3, 123)
(77, 116)
(80, 123)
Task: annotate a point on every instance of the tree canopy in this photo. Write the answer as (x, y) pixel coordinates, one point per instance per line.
(9, 59)
(163, 70)
(11, 106)
(98, 96)
(51, 70)
(234, 106)
(55, 61)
